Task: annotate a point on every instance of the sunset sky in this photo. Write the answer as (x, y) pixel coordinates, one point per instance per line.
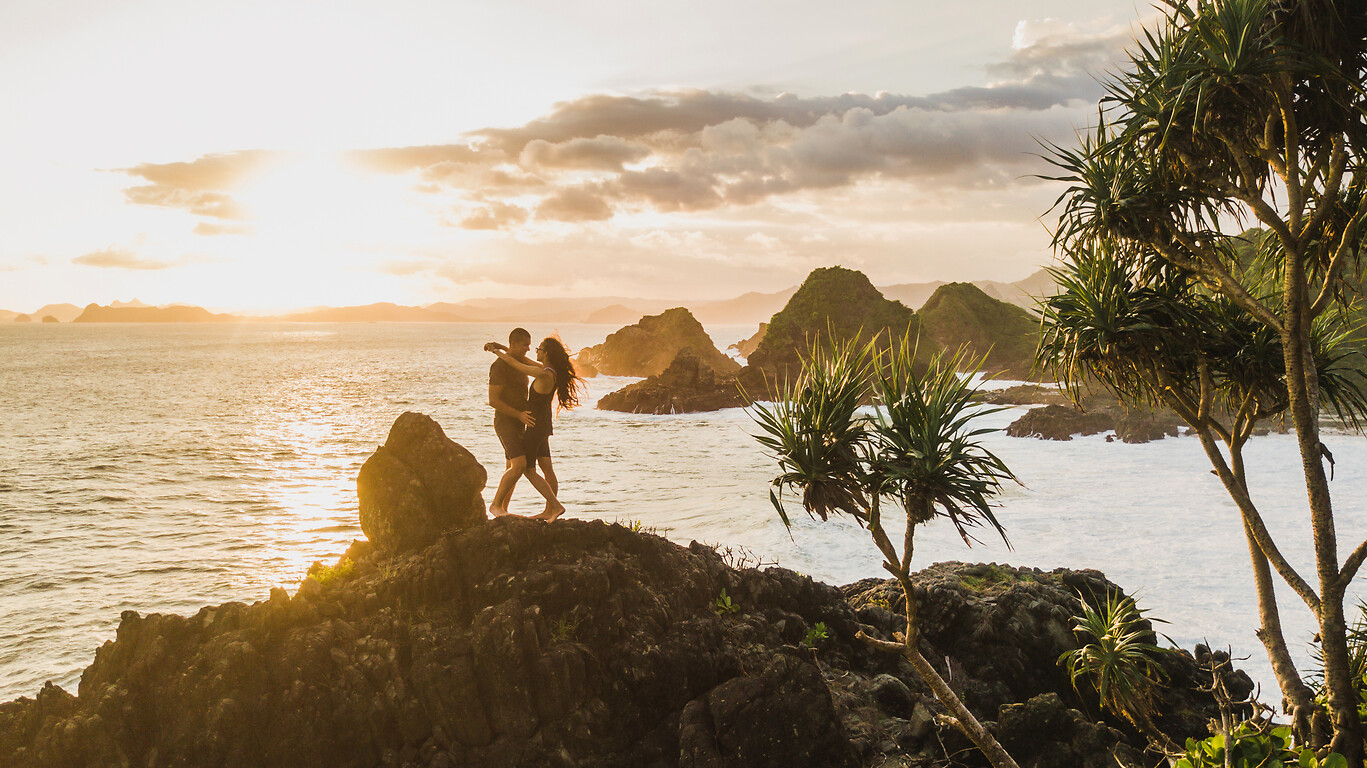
(255, 156)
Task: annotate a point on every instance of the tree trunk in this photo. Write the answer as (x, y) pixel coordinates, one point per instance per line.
(1302, 385)
(1297, 698)
(899, 567)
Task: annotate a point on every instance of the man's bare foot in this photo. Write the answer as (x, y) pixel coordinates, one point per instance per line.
(551, 513)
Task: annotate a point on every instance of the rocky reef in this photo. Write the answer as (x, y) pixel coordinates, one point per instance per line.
(581, 643)
(686, 386)
(1131, 425)
(648, 347)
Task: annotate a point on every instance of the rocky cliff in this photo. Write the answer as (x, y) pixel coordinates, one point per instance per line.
(582, 643)
(650, 345)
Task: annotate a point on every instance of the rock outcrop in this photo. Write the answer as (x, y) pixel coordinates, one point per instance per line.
(648, 347)
(1002, 335)
(686, 386)
(578, 643)
(418, 485)
(22, 319)
(746, 347)
(832, 301)
(1062, 421)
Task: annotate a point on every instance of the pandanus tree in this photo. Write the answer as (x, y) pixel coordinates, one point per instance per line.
(1231, 113)
(916, 454)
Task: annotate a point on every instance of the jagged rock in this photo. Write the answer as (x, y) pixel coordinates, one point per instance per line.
(1056, 736)
(648, 347)
(687, 386)
(783, 716)
(1060, 422)
(418, 485)
(746, 347)
(517, 643)
(1143, 426)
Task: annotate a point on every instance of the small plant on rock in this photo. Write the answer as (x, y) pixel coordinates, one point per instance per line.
(816, 635)
(566, 628)
(1119, 661)
(723, 605)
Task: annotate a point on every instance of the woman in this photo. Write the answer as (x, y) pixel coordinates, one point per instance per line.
(553, 377)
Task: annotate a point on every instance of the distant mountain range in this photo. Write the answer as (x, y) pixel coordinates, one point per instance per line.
(748, 308)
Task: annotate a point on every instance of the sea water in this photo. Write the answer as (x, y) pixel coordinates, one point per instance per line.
(161, 468)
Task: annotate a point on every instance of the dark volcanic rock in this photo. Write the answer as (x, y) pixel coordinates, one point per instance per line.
(686, 386)
(648, 347)
(580, 643)
(1060, 422)
(1023, 394)
(417, 485)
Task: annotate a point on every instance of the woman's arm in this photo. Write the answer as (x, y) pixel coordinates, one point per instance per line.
(531, 369)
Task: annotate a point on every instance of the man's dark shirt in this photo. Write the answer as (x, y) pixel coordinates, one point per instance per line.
(512, 385)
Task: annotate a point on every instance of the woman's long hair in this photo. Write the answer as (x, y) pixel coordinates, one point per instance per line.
(568, 384)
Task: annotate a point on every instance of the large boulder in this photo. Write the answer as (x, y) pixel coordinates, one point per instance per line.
(688, 385)
(417, 485)
(648, 347)
(1060, 422)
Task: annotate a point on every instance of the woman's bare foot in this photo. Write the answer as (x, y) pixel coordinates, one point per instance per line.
(551, 513)
(497, 512)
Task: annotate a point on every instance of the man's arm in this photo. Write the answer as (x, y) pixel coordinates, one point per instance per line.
(496, 402)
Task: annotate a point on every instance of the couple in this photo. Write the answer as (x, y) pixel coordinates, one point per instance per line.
(522, 416)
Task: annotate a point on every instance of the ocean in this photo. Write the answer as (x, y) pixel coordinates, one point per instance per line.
(161, 468)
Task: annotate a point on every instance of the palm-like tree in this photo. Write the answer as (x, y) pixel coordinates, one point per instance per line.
(916, 452)
(1234, 111)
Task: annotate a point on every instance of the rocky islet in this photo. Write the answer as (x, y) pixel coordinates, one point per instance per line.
(512, 642)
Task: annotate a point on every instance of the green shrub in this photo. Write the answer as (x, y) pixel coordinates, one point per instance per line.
(325, 575)
(724, 605)
(816, 635)
(1252, 746)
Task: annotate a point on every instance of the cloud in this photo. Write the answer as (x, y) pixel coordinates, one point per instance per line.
(599, 152)
(200, 186)
(118, 258)
(495, 216)
(574, 204)
(210, 229)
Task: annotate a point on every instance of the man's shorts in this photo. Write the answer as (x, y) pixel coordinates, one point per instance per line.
(510, 433)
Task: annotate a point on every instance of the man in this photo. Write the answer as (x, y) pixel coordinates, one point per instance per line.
(508, 398)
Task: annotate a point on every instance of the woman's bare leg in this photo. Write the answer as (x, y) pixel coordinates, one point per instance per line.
(499, 506)
(548, 472)
(554, 508)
